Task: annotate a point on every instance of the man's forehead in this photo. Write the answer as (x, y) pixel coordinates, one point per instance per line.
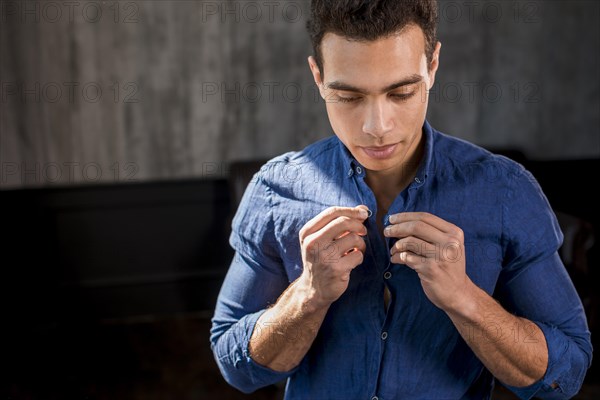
(410, 36)
(373, 65)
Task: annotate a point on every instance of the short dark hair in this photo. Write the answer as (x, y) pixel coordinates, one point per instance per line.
(368, 20)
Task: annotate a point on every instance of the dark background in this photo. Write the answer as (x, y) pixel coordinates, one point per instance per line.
(122, 125)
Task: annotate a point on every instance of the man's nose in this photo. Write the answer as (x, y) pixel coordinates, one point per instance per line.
(378, 119)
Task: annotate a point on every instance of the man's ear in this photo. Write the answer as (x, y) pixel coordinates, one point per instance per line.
(316, 73)
(435, 63)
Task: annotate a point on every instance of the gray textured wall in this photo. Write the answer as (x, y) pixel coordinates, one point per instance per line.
(96, 91)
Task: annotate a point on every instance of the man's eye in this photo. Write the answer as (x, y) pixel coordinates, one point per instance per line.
(402, 96)
(347, 99)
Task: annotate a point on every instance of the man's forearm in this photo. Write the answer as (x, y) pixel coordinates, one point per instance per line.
(285, 332)
(513, 349)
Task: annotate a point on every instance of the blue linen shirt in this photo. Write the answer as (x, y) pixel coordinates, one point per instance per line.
(411, 350)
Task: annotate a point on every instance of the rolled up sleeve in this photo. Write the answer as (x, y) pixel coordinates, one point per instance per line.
(234, 361)
(535, 285)
(256, 278)
(559, 314)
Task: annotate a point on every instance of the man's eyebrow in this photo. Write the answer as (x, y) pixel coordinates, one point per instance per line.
(338, 85)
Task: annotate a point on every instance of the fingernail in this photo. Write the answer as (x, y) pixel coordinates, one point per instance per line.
(386, 231)
(364, 213)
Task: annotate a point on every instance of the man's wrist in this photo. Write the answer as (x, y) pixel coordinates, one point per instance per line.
(309, 300)
(466, 302)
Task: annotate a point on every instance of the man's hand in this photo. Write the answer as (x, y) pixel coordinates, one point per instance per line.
(434, 248)
(331, 248)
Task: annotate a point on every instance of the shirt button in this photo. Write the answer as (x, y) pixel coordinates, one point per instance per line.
(350, 172)
(417, 180)
(384, 335)
(387, 275)
(374, 398)
(358, 170)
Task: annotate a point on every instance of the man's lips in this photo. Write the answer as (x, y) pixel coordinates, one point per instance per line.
(380, 152)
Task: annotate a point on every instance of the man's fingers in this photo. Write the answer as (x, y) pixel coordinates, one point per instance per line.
(344, 245)
(336, 230)
(350, 242)
(447, 252)
(424, 226)
(416, 228)
(424, 217)
(354, 259)
(410, 259)
(340, 227)
(333, 251)
(416, 246)
(325, 217)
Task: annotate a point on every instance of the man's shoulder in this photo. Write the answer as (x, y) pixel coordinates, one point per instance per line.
(461, 156)
(321, 149)
(292, 166)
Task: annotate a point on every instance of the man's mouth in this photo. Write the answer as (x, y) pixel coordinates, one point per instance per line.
(380, 152)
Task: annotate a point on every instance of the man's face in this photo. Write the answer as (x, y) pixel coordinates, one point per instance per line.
(376, 94)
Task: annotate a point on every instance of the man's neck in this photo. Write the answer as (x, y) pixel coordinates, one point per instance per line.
(387, 184)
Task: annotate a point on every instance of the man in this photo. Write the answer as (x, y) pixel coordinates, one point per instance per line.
(391, 261)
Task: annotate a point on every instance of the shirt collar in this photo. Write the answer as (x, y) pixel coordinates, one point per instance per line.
(353, 167)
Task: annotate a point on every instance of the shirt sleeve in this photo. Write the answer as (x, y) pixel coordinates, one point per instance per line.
(534, 284)
(256, 278)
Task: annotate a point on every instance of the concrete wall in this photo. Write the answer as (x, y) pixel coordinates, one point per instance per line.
(125, 91)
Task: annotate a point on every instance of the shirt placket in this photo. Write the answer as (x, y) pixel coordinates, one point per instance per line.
(381, 253)
(379, 248)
